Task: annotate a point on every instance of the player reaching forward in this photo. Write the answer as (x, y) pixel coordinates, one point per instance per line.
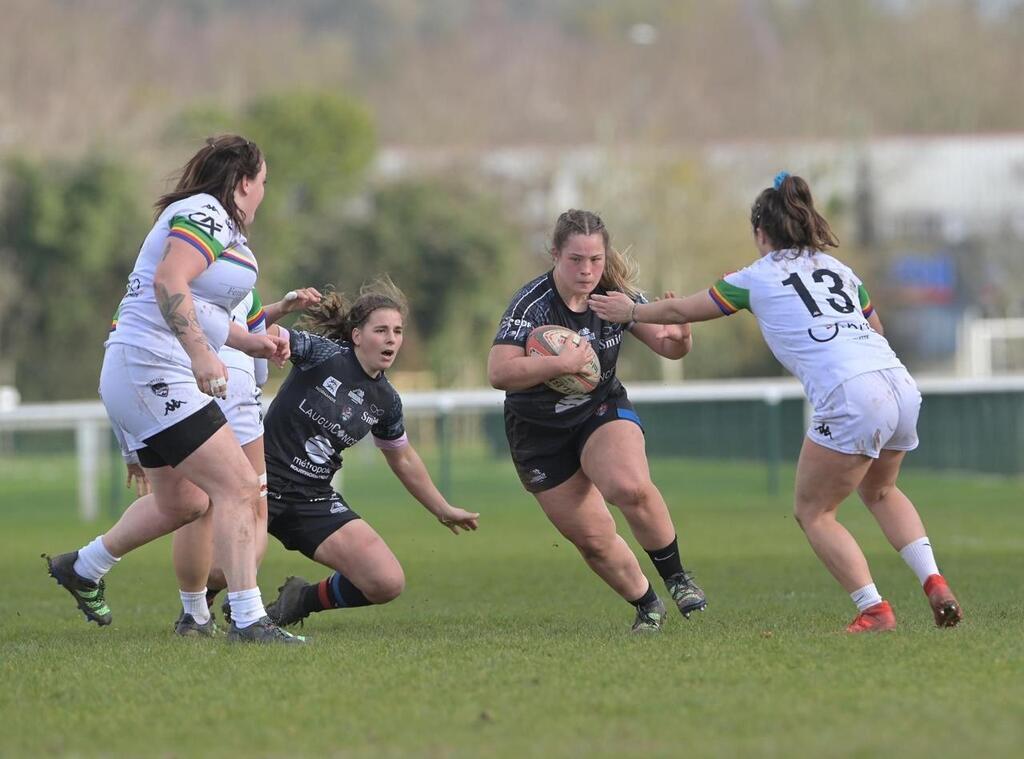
(817, 318)
(335, 395)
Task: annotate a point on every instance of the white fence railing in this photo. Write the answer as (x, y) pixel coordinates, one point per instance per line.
(89, 420)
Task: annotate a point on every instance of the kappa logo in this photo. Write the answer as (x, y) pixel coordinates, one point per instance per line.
(537, 476)
(823, 430)
(337, 507)
(601, 410)
(332, 385)
(356, 395)
(173, 405)
(159, 387)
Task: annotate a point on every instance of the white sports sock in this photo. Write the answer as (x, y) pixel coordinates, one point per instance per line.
(866, 597)
(195, 604)
(94, 561)
(246, 607)
(920, 558)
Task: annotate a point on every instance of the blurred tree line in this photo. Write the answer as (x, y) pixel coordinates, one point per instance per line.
(70, 230)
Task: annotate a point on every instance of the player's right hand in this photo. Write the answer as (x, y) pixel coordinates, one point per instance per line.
(137, 474)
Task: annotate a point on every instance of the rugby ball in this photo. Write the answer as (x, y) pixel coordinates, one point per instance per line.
(548, 340)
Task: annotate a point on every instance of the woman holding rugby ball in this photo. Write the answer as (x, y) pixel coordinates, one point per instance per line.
(576, 451)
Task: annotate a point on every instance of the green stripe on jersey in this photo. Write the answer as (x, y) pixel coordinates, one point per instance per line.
(862, 292)
(200, 233)
(738, 297)
(257, 305)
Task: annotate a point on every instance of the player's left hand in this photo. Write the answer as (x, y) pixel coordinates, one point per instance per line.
(455, 519)
(613, 307)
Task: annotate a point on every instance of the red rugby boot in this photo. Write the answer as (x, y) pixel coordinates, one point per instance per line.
(944, 605)
(877, 618)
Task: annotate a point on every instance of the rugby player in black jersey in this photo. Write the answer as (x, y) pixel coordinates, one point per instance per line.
(574, 452)
(335, 395)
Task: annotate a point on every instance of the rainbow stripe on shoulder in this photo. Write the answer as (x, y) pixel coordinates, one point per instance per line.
(188, 232)
(232, 255)
(721, 301)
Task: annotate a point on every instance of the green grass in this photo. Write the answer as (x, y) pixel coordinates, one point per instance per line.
(504, 644)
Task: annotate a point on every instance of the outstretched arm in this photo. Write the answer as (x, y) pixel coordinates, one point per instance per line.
(617, 307)
(410, 470)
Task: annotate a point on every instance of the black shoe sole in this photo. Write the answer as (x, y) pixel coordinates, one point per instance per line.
(691, 609)
(949, 615)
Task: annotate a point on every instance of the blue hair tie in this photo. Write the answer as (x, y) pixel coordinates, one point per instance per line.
(780, 178)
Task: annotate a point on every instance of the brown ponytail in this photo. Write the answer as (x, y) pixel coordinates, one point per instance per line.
(788, 218)
(335, 317)
(216, 169)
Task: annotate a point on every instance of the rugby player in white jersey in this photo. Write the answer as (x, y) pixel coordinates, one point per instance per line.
(161, 371)
(817, 318)
(193, 543)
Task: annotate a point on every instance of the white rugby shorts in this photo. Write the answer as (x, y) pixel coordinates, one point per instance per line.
(145, 395)
(869, 413)
(242, 407)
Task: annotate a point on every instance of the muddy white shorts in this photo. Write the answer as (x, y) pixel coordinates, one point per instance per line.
(242, 407)
(869, 413)
(156, 404)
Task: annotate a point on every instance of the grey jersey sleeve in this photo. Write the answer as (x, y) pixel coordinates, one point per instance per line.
(309, 350)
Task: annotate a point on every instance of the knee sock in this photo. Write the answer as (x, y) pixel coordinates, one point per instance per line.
(666, 560)
(866, 597)
(920, 558)
(94, 561)
(336, 592)
(196, 605)
(246, 607)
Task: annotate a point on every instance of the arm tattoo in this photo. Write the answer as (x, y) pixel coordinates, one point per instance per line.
(168, 304)
(179, 324)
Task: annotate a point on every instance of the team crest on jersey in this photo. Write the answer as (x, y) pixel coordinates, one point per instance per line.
(346, 413)
(331, 385)
(356, 395)
(587, 334)
(159, 387)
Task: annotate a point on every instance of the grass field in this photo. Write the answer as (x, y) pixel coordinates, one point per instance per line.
(504, 645)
